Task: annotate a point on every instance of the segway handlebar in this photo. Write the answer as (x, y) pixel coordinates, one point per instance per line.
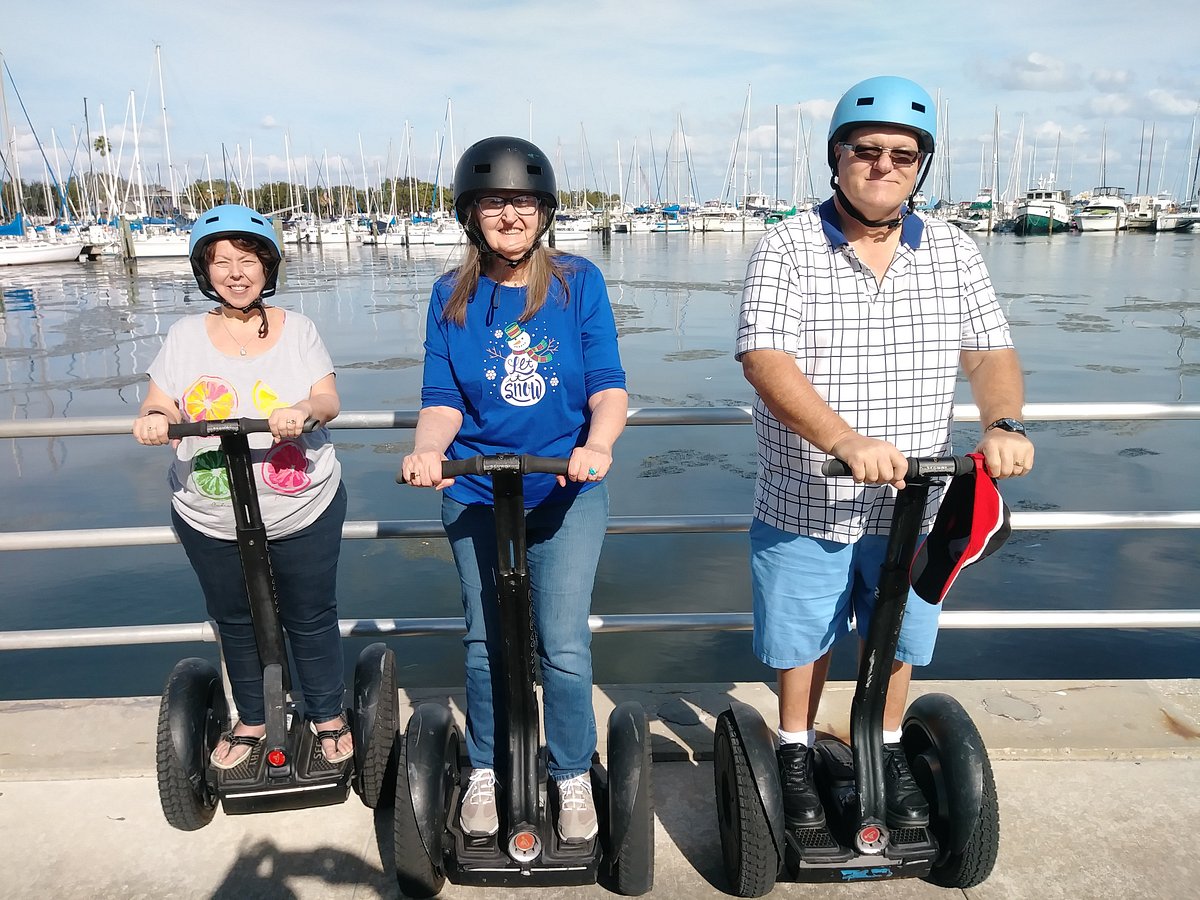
(218, 427)
(924, 466)
(523, 464)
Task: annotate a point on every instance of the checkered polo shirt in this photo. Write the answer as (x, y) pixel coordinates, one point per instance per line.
(884, 356)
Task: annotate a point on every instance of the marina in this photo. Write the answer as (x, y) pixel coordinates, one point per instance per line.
(1074, 649)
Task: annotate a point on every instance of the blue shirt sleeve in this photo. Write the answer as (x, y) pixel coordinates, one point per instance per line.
(601, 358)
(438, 387)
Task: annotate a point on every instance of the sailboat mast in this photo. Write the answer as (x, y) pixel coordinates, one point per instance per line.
(166, 139)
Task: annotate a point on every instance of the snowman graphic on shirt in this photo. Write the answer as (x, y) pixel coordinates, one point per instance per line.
(522, 385)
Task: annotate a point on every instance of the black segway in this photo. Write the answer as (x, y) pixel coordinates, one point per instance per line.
(287, 770)
(526, 851)
(943, 747)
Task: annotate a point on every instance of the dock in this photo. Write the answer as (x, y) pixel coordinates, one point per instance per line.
(1098, 783)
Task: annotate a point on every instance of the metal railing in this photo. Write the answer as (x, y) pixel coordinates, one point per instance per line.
(691, 524)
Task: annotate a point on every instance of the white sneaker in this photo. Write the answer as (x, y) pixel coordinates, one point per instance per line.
(479, 817)
(576, 810)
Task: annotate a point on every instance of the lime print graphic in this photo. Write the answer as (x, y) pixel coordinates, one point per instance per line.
(265, 400)
(210, 398)
(286, 468)
(211, 475)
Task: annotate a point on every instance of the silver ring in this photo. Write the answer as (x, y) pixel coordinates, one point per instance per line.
(291, 421)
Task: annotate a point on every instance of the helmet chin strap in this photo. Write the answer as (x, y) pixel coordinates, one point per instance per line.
(257, 306)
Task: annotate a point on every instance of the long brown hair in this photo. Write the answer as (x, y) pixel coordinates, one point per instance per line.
(542, 266)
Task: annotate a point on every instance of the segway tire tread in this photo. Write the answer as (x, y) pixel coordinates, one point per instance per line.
(416, 874)
(751, 859)
(974, 864)
(183, 805)
(377, 781)
(634, 863)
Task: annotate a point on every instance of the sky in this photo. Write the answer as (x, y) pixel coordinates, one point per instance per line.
(620, 95)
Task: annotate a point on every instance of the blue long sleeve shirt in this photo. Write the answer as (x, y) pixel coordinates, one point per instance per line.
(522, 387)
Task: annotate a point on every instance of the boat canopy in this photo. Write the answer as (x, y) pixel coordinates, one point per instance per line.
(15, 228)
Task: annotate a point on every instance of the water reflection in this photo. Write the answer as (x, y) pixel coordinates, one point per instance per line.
(1094, 320)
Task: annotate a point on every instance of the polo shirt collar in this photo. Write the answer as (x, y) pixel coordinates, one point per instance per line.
(911, 229)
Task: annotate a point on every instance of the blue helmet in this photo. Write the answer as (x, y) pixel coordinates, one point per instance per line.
(225, 223)
(885, 100)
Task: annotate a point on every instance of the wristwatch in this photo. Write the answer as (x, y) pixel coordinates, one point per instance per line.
(1014, 425)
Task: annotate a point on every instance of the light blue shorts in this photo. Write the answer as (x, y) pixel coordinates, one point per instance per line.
(809, 591)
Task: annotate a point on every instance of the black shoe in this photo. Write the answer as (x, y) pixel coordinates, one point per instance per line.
(801, 805)
(906, 805)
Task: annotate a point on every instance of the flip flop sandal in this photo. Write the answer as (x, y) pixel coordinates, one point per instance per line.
(234, 741)
(332, 734)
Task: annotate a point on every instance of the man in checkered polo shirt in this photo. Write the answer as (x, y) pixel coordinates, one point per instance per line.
(855, 320)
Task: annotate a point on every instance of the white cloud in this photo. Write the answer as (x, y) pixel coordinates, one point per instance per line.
(1110, 104)
(1169, 103)
(1110, 79)
(1038, 72)
(269, 122)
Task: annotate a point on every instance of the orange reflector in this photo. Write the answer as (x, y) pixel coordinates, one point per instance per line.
(524, 841)
(277, 758)
(869, 835)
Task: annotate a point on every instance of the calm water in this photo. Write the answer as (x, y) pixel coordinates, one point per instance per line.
(1096, 318)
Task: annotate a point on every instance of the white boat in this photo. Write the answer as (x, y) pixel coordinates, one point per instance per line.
(1042, 211)
(444, 232)
(712, 216)
(1185, 218)
(26, 251)
(570, 229)
(743, 224)
(155, 242)
(1105, 210)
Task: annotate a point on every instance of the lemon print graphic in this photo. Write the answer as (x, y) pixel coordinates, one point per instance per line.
(209, 398)
(265, 400)
(211, 475)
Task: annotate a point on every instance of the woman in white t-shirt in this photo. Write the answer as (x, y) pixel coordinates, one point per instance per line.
(247, 359)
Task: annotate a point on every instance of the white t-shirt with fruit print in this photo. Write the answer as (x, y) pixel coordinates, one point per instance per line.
(296, 478)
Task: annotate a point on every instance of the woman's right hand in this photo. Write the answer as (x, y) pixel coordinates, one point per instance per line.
(424, 469)
(151, 429)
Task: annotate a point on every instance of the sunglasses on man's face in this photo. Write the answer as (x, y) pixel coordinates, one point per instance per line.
(872, 154)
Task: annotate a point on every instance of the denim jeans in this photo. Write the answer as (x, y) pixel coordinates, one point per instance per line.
(305, 568)
(563, 543)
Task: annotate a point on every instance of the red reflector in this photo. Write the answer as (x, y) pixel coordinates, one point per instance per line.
(277, 758)
(870, 834)
(524, 841)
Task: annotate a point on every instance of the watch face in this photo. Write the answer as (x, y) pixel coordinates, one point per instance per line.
(1009, 425)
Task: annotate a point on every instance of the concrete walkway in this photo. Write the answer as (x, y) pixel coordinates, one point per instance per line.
(1099, 786)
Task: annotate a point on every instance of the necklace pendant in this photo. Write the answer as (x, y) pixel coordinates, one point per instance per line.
(242, 351)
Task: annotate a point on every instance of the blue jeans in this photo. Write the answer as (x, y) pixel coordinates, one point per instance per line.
(305, 568)
(563, 542)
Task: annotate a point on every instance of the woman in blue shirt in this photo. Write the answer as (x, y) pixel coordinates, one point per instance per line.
(521, 357)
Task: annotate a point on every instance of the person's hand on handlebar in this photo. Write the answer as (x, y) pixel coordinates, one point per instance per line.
(590, 462)
(871, 461)
(287, 422)
(151, 429)
(423, 468)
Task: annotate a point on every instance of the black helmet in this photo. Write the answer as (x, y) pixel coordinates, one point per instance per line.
(502, 164)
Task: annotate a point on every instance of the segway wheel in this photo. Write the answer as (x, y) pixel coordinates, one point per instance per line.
(747, 848)
(950, 763)
(630, 800)
(191, 716)
(426, 773)
(375, 718)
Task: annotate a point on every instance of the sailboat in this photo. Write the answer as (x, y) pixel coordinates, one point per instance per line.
(1105, 209)
(18, 245)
